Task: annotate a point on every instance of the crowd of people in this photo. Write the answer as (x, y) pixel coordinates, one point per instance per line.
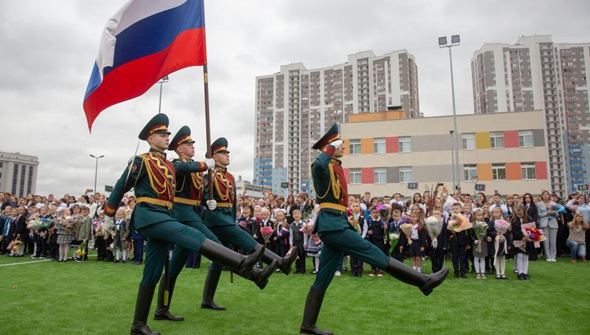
(435, 225)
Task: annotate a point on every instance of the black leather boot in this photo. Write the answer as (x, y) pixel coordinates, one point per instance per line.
(260, 277)
(426, 283)
(163, 310)
(313, 304)
(209, 291)
(241, 264)
(284, 262)
(142, 310)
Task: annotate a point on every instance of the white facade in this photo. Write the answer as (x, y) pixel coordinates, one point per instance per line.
(18, 173)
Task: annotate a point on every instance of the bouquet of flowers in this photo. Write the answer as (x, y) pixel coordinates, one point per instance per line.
(480, 229)
(354, 223)
(266, 232)
(434, 226)
(458, 223)
(16, 245)
(384, 210)
(283, 231)
(393, 238)
(501, 226)
(38, 223)
(407, 229)
(82, 249)
(307, 227)
(529, 230)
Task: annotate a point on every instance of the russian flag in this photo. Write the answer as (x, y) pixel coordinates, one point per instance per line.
(143, 42)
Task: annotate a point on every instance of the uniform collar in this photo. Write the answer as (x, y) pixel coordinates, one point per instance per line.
(335, 161)
(221, 168)
(158, 153)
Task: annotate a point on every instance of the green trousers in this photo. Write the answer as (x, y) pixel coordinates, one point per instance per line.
(338, 243)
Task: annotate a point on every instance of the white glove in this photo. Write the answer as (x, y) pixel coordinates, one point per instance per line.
(109, 223)
(210, 163)
(212, 204)
(337, 143)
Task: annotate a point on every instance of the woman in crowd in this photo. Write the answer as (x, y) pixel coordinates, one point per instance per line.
(548, 223)
(577, 238)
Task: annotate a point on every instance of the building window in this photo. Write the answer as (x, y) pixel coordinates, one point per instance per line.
(499, 172)
(470, 172)
(497, 140)
(355, 147)
(380, 176)
(405, 175)
(468, 141)
(355, 176)
(528, 171)
(379, 145)
(405, 144)
(525, 138)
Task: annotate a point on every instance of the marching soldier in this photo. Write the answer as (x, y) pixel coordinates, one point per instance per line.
(187, 199)
(153, 178)
(340, 238)
(220, 217)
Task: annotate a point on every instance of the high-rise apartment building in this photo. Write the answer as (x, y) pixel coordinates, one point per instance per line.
(295, 107)
(18, 173)
(537, 74)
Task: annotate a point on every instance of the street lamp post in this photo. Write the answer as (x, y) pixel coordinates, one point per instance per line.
(96, 169)
(161, 82)
(442, 43)
(453, 156)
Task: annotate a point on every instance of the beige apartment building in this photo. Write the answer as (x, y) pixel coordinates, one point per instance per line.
(504, 152)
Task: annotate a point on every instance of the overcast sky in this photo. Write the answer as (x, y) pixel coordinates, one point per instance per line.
(48, 49)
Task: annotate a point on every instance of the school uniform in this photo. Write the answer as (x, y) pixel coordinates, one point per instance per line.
(437, 255)
(296, 239)
(459, 242)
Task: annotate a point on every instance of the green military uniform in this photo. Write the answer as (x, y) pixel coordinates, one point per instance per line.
(222, 220)
(153, 178)
(340, 238)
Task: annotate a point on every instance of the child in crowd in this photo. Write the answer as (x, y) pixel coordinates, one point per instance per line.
(459, 242)
(480, 243)
(491, 258)
(63, 231)
(500, 244)
(296, 239)
(282, 231)
(120, 234)
(519, 218)
(393, 227)
(313, 246)
(84, 233)
(375, 233)
(357, 221)
(437, 254)
(418, 239)
(99, 236)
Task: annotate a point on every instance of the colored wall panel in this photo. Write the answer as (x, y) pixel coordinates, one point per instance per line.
(392, 145)
(346, 174)
(482, 140)
(511, 139)
(512, 169)
(484, 172)
(366, 146)
(347, 146)
(541, 170)
(368, 175)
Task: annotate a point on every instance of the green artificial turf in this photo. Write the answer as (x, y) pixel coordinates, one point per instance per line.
(99, 298)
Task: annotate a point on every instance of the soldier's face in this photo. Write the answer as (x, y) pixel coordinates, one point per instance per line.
(159, 141)
(221, 158)
(186, 150)
(339, 152)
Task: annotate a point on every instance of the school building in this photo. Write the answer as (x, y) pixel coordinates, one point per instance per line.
(387, 153)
